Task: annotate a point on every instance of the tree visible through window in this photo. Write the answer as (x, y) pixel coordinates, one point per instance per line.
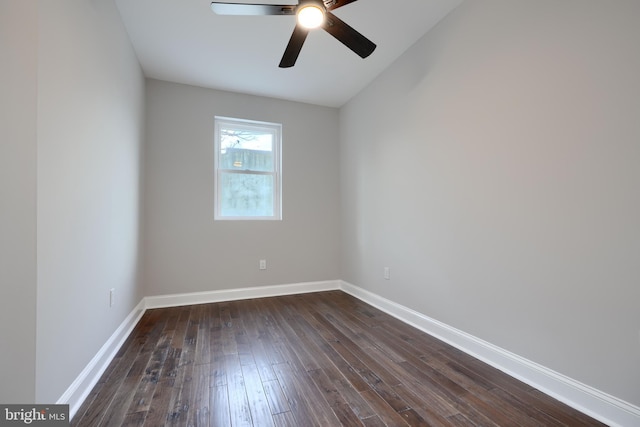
(247, 164)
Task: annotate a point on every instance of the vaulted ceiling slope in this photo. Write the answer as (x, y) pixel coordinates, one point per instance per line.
(185, 42)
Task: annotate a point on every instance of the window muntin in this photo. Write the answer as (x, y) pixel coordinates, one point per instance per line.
(247, 169)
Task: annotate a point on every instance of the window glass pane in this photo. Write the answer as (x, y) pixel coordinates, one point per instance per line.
(247, 169)
(246, 195)
(246, 149)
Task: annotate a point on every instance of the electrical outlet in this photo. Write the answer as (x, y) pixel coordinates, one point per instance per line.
(263, 264)
(112, 295)
(387, 273)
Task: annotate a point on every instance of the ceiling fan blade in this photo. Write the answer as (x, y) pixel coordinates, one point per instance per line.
(222, 8)
(293, 48)
(348, 36)
(334, 4)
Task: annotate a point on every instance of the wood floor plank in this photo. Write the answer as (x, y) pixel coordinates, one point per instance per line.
(358, 405)
(157, 413)
(275, 396)
(457, 395)
(204, 314)
(386, 413)
(220, 415)
(183, 400)
(374, 421)
(285, 419)
(134, 419)
(368, 364)
(258, 342)
(359, 331)
(129, 386)
(199, 412)
(371, 377)
(256, 396)
(215, 332)
(343, 369)
(300, 408)
(238, 401)
(180, 403)
(559, 411)
(346, 416)
(287, 325)
(538, 417)
(478, 399)
(313, 398)
(414, 419)
(319, 359)
(431, 413)
(218, 370)
(93, 411)
(228, 331)
(344, 380)
(268, 336)
(147, 385)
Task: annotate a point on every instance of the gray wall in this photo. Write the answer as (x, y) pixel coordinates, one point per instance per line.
(18, 105)
(70, 168)
(90, 133)
(494, 169)
(184, 249)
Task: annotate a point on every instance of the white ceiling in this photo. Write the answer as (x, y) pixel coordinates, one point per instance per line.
(184, 41)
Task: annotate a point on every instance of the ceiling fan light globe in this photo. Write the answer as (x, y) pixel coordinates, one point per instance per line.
(310, 16)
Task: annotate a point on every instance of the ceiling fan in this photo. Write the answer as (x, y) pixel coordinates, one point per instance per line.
(310, 14)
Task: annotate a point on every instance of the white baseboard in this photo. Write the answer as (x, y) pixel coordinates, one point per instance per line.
(599, 405)
(176, 300)
(78, 391)
(586, 399)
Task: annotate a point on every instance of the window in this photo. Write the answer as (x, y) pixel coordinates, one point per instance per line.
(247, 169)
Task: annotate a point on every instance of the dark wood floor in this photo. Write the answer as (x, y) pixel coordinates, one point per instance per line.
(321, 359)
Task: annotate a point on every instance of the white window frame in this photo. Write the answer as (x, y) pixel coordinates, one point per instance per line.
(252, 125)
